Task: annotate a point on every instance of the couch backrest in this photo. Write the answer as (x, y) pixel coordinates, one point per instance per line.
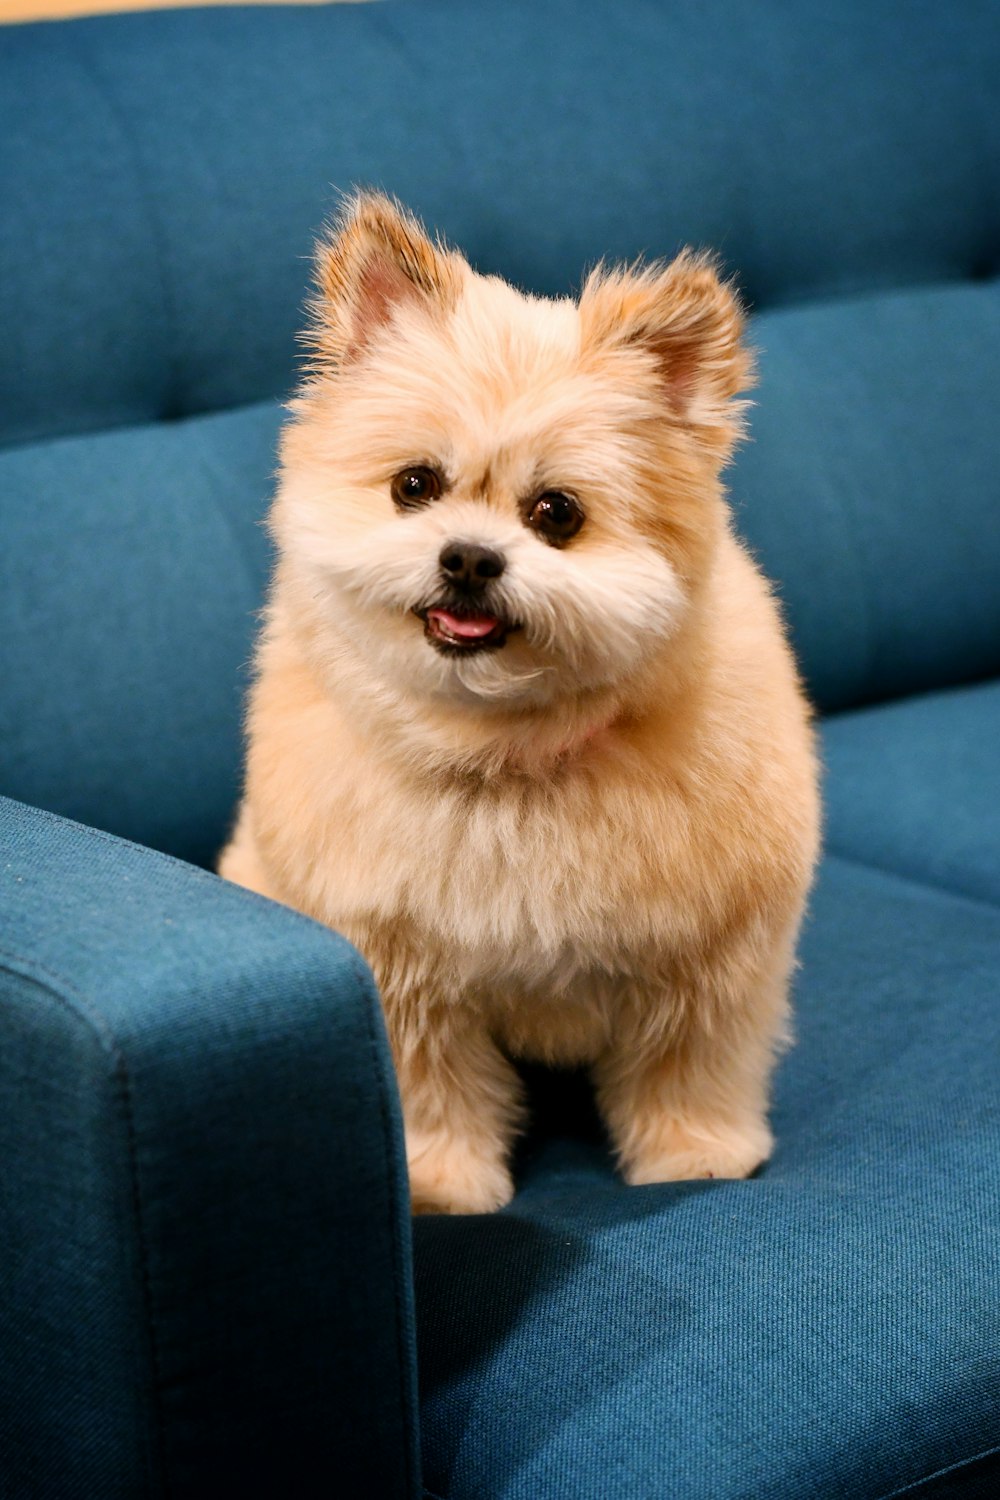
(162, 177)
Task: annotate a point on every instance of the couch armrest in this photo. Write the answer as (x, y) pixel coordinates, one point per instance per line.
(205, 1282)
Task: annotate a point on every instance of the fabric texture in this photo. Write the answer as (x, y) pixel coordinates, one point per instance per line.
(868, 487)
(915, 787)
(157, 221)
(205, 1284)
(153, 263)
(830, 1328)
(205, 1276)
(131, 576)
(154, 259)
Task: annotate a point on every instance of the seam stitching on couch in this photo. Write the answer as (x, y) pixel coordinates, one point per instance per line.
(71, 998)
(933, 886)
(859, 293)
(144, 1267)
(402, 1352)
(963, 1463)
(147, 424)
(88, 63)
(155, 856)
(979, 679)
(365, 986)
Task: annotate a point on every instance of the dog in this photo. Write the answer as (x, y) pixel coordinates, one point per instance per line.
(525, 726)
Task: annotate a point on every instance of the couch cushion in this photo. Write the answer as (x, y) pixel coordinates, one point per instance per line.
(869, 487)
(163, 175)
(829, 1329)
(915, 787)
(204, 1272)
(132, 567)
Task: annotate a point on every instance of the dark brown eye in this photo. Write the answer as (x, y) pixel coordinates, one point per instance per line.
(417, 486)
(556, 517)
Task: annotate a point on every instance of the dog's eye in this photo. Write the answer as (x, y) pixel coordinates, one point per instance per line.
(556, 517)
(417, 486)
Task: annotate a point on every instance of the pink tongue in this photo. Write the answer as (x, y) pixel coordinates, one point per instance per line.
(472, 628)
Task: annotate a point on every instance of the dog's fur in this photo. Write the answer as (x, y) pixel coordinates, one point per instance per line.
(591, 844)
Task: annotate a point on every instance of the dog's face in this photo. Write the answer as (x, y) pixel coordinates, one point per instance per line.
(498, 499)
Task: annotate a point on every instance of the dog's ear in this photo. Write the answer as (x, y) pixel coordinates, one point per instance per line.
(690, 321)
(375, 258)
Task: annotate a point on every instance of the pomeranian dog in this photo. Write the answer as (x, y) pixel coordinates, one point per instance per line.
(525, 726)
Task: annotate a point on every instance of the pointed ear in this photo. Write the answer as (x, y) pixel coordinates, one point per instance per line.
(375, 258)
(691, 322)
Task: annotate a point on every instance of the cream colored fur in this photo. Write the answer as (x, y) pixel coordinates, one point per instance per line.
(593, 845)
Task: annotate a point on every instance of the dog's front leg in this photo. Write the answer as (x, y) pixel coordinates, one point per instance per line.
(684, 1089)
(462, 1105)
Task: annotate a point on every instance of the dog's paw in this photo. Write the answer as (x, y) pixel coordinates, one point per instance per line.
(449, 1176)
(678, 1152)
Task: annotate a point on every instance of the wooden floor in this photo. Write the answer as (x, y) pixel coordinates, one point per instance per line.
(45, 10)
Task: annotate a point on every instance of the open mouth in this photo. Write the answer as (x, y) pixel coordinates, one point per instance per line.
(461, 632)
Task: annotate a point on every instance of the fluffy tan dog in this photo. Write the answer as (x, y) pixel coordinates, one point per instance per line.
(525, 726)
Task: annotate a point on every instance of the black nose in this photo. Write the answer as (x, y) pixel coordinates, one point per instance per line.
(467, 565)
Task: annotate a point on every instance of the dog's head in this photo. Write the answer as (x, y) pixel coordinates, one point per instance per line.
(492, 498)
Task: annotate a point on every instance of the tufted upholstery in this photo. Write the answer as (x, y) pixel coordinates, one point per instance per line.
(164, 177)
(829, 1329)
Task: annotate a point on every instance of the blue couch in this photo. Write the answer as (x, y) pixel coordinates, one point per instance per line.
(208, 1282)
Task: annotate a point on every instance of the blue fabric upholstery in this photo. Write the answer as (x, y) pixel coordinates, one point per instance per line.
(204, 1277)
(869, 489)
(153, 264)
(915, 787)
(156, 219)
(831, 1328)
(133, 569)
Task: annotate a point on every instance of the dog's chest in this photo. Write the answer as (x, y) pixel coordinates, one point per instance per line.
(526, 884)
